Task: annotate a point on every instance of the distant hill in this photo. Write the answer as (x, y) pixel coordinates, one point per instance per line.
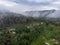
(43, 13)
(36, 14)
(8, 18)
(47, 14)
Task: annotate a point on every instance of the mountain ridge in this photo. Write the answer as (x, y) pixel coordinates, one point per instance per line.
(35, 14)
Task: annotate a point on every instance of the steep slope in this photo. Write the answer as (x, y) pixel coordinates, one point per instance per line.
(8, 18)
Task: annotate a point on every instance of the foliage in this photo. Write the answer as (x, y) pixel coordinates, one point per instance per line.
(29, 31)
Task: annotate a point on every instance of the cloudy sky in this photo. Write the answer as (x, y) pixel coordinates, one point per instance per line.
(27, 5)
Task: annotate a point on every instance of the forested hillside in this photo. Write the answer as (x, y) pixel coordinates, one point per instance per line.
(21, 30)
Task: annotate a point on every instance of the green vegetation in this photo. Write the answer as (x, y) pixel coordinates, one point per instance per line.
(31, 32)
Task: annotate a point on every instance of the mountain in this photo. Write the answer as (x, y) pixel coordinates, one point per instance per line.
(39, 14)
(36, 14)
(56, 14)
(8, 13)
(46, 14)
(8, 18)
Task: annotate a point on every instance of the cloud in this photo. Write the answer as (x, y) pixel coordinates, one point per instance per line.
(58, 3)
(38, 1)
(7, 3)
(19, 7)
